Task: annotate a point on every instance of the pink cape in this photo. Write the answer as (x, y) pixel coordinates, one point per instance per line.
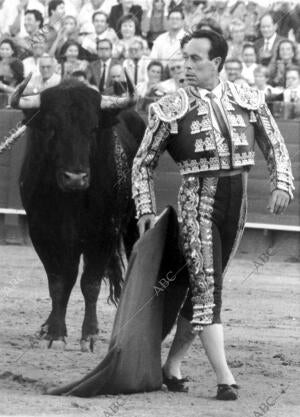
(145, 315)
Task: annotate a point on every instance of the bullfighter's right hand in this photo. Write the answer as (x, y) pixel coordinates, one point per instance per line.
(145, 223)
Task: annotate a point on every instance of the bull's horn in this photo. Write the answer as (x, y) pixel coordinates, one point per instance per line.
(28, 102)
(115, 102)
(130, 85)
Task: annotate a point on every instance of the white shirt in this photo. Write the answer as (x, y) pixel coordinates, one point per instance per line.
(270, 42)
(87, 11)
(218, 92)
(166, 47)
(248, 73)
(8, 14)
(31, 65)
(142, 64)
(291, 93)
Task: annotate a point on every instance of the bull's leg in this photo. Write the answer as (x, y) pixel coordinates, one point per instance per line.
(60, 287)
(90, 287)
(61, 266)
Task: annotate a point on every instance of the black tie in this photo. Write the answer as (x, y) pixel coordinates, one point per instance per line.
(102, 80)
(135, 71)
(220, 118)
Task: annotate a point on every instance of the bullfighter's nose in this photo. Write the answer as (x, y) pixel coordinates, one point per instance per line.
(75, 181)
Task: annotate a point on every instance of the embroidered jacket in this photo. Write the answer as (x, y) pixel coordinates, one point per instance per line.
(182, 124)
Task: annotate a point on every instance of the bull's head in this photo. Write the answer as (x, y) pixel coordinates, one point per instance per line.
(67, 118)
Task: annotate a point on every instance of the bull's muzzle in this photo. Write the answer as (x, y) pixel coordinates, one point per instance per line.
(71, 181)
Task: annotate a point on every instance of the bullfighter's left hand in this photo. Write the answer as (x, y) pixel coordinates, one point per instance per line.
(278, 202)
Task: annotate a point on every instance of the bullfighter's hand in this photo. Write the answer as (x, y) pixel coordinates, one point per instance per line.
(278, 202)
(145, 223)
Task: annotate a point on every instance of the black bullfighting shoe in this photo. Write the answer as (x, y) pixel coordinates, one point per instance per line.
(175, 384)
(227, 392)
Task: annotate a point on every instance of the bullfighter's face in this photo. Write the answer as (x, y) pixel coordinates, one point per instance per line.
(201, 71)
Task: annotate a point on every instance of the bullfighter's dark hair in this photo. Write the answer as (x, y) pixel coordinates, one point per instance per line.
(37, 15)
(218, 48)
(53, 5)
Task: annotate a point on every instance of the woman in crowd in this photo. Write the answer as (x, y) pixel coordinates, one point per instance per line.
(127, 32)
(68, 32)
(11, 68)
(285, 57)
(237, 39)
(72, 59)
(154, 73)
(155, 21)
(12, 74)
(124, 8)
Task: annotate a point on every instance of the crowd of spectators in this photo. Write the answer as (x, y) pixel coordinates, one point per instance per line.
(95, 40)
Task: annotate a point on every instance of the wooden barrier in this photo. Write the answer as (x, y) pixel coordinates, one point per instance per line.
(12, 223)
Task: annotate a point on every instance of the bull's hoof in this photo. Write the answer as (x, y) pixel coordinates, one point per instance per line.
(88, 343)
(59, 344)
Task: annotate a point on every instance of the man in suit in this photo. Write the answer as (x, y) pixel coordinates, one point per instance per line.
(136, 64)
(125, 7)
(209, 128)
(99, 71)
(266, 46)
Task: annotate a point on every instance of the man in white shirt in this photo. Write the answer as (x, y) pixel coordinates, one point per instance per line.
(100, 31)
(32, 63)
(167, 45)
(249, 63)
(47, 77)
(177, 79)
(136, 64)
(292, 93)
(93, 6)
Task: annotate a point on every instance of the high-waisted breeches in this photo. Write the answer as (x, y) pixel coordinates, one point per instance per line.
(212, 214)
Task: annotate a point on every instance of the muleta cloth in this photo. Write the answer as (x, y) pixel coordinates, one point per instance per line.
(146, 313)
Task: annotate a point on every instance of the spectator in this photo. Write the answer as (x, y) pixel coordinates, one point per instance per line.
(237, 39)
(193, 13)
(71, 59)
(167, 45)
(249, 63)
(98, 72)
(261, 75)
(267, 45)
(285, 57)
(177, 72)
(82, 77)
(11, 75)
(33, 22)
(102, 31)
(155, 24)
(125, 7)
(154, 74)
(8, 14)
(56, 12)
(47, 77)
(7, 49)
(136, 63)
(292, 92)
(128, 33)
(17, 27)
(233, 70)
(93, 6)
(116, 74)
(32, 63)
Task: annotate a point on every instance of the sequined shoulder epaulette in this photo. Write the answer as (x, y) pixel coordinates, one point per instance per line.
(246, 97)
(172, 106)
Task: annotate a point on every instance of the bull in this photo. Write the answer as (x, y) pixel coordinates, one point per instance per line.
(75, 186)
